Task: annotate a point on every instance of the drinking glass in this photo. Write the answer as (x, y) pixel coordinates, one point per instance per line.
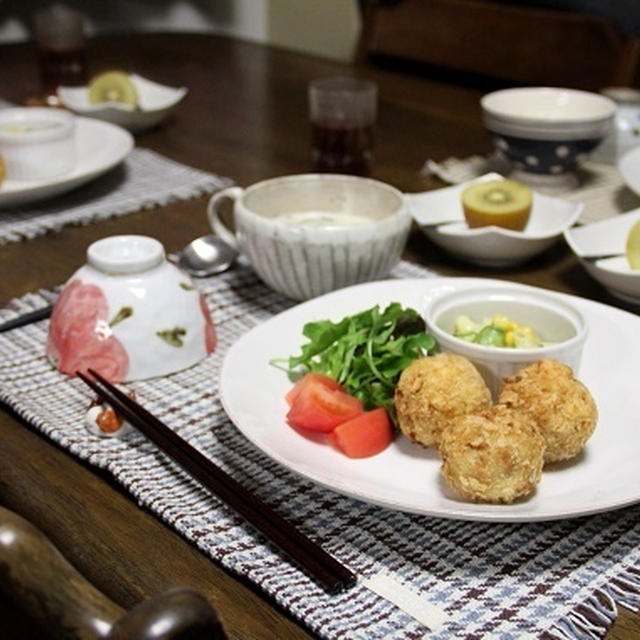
(343, 112)
(60, 43)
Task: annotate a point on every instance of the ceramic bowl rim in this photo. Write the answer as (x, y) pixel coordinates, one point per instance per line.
(396, 222)
(453, 299)
(525, 120)
(332, 177)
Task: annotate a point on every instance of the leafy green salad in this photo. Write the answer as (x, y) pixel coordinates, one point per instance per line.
(366, 352)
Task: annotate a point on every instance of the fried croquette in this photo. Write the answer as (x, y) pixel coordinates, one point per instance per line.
(432, 391)
(492, 456)
(561, 406)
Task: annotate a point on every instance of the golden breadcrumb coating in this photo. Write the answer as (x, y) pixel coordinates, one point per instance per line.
(492, 456)
(434, 390)
(562, 407)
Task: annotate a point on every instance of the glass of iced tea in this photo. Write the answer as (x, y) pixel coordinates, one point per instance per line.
(343, 112)
(61, 49)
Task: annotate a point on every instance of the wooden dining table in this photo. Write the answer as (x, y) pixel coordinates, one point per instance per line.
(245, 117)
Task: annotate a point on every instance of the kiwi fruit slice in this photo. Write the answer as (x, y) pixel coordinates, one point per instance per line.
(113, 86)
(504, 203)
(633, 246)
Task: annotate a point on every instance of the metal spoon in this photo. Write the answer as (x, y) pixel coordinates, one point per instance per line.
(205, 256)
(202, 257)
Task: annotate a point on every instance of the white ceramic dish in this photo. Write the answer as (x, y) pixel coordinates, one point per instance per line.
(37, 143)
(546, 132)
(309, 234)
(405, 476)
(156, 102)
(608, 238)
(548, 113)
(629, 168)
(129, 314)
(555, 320)
(100, 146)
(439, 214)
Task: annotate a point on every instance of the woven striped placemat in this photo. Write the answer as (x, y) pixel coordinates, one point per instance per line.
(419, 576)
(144, 180)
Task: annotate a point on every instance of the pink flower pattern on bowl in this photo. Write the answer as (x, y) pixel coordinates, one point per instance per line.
(76, 341)
(210, 337)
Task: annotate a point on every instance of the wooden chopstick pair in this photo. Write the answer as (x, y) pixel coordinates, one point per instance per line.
(318, 564)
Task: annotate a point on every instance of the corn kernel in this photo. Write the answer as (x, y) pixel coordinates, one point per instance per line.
(509, 339)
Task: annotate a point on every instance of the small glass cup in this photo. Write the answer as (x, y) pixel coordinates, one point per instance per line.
(343, 112)
(58, 33)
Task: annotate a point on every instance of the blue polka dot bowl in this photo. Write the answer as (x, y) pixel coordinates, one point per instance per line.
(546, 131)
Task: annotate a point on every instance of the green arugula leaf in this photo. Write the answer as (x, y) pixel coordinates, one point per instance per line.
(366, 352)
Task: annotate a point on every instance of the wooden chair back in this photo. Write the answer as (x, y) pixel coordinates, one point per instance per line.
(510, 42)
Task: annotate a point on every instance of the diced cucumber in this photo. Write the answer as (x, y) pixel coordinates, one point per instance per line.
(490, 336)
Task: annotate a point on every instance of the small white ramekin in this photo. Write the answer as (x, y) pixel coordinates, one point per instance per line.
(556, 321)
(37, 143)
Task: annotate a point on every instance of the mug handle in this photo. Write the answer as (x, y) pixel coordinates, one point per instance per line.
(230, 193)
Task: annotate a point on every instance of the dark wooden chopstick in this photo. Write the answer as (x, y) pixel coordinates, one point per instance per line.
(26, 318)
(325, 569)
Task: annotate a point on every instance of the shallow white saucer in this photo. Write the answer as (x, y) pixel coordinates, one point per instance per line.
(100, 146)
(155, 100)
(608, 238)
(439, 213)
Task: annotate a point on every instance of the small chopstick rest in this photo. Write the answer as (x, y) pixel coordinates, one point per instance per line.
(326, 570)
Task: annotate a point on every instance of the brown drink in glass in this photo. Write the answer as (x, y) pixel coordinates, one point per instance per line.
(343, 113)
(60, 46)
(61, 67)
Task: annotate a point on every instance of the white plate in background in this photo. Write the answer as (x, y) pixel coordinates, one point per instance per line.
(155, 102)
(406, 476)
(629, 168)
(100, 146)
(605, 238)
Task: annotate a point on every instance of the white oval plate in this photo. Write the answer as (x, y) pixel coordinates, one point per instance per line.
(405, 476)
(100, 146)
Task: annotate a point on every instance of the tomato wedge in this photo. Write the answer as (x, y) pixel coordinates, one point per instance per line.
(365, 435)
(318, 408)
(308, 378)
